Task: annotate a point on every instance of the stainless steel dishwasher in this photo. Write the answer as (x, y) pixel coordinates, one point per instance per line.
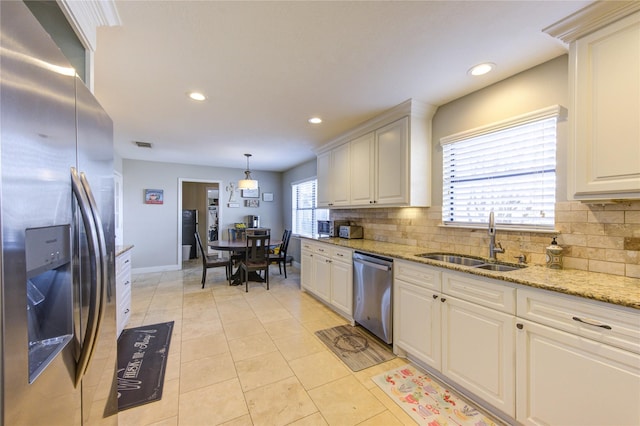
(372, 307)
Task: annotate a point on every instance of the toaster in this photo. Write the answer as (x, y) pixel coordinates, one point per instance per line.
(351, 231)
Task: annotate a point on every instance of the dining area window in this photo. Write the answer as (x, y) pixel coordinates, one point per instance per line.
(304, 211)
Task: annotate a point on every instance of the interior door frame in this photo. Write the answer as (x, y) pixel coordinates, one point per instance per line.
(182, 181)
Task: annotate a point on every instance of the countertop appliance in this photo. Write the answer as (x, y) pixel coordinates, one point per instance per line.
(253, 221)
(372, 290)
(58, 316)
(330, 228)
(351, 232)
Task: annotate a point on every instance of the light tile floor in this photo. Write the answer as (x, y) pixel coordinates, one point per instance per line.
(251, 358)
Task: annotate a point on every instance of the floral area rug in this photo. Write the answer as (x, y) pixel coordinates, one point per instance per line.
(427, 402)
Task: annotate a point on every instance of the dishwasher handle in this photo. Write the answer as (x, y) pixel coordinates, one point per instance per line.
(373, 265)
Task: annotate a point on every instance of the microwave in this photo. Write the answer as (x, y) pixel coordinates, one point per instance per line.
(330, 228)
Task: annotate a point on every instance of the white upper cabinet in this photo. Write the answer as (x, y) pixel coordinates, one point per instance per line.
(393, 167)
(362, 169)
(323, 173)
(604, 79)
(388, 161)
(333, 177)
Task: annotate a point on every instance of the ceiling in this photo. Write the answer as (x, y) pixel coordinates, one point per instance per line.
(266, 67)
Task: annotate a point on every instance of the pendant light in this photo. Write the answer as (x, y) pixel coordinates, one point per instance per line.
(248, 182)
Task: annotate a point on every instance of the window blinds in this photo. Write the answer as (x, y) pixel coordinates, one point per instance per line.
(511, 170)
(304, 215)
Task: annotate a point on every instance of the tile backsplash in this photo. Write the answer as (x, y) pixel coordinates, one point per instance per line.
(598, 238)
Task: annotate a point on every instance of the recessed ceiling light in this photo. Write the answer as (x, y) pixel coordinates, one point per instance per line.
(196, 96)
(315, 120)
(481, 69)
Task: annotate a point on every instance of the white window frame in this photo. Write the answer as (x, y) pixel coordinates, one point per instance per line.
(484, 205)
(316, 214)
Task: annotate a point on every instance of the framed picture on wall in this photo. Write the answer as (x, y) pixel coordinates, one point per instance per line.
(153, 196)
(251, 203)
(267, 196)
(251, 193)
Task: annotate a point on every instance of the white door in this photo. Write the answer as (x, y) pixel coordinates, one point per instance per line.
(392, 163)
(563, 379)
(478, 351)
(417, 327)
(342, 286)
(322, 275)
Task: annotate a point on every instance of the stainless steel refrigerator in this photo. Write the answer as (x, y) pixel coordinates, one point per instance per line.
(189, 228)
(58, 346)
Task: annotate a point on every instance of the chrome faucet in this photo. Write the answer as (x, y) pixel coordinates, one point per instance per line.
(493, 249)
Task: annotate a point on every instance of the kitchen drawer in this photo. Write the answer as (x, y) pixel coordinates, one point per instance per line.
(123, 262)
(610, 324)
(123, 312)
(341, 254)
(482, 291)
(421, 275)
(307, 245)
(323, 249)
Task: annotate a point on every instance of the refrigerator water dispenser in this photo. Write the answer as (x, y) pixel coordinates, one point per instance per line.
(49, 294)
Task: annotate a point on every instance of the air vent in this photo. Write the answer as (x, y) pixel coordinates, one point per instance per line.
(142, 144)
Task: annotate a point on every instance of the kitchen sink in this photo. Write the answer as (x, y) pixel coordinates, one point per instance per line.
(471, 262)
(499, 267)
(452, 258)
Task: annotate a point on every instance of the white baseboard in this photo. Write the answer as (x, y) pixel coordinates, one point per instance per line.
(162, 268)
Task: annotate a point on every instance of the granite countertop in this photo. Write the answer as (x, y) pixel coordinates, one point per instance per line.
(614, 289)
(122, 249)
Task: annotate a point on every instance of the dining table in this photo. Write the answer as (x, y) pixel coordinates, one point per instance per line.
(239, 247)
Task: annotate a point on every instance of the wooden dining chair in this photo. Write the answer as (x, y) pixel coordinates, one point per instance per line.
(212, 262)
(280, 255)
(256, 258)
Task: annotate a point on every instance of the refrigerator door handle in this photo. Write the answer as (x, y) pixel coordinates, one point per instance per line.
(88, 344)
(102, 241)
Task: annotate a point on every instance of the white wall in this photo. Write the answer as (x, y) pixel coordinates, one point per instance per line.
(533, 89)
(153, 229)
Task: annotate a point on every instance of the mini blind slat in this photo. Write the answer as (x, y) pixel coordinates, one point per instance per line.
(511, 171)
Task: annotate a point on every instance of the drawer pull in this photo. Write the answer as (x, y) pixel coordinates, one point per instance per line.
(606, 327)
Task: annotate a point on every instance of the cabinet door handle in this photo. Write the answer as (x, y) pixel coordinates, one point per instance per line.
(443, 299)
(435, 296)
(519, 326)
(606, 327)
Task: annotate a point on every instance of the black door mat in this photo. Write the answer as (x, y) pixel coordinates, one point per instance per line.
(142, 361)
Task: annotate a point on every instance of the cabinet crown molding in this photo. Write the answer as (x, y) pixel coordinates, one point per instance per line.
(86, 16)
(410, 107)
(591, 18)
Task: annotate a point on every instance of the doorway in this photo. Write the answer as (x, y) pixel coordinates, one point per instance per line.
(201, 211)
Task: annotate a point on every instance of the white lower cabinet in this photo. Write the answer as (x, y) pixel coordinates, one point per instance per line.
(322, 275)
(123, 290)
(342, 280)
(307, 280)
(588, 374)
(416, 313)
(327, 272)
(478, 341)
(564, 379)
